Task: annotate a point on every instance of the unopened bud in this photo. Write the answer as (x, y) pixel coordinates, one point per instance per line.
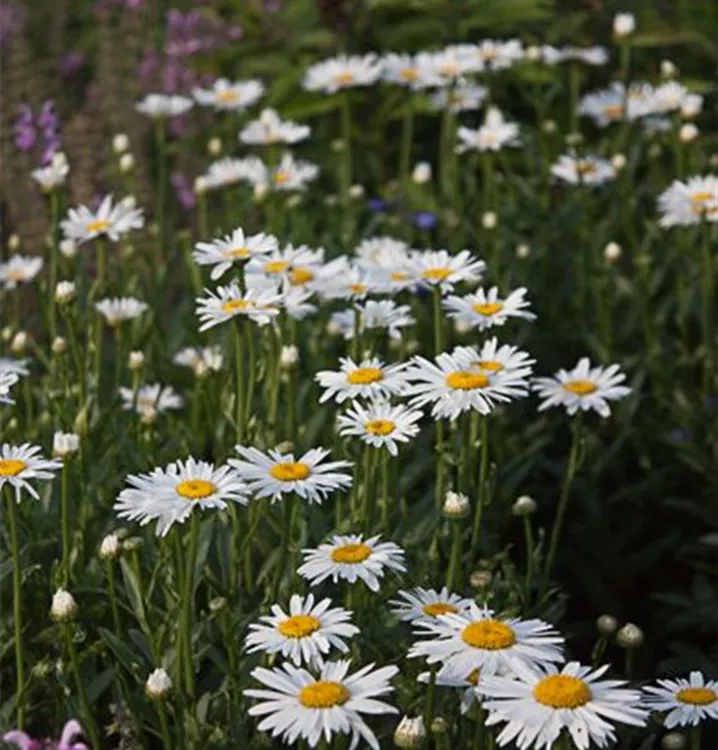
(624, 24)
(630, 636)
(618, 162)
(288, 357)
(356, 191)
(135, 361)
(489, 220)
(109, 547)
(410, 733)
(81, 422)
(337, 145)
(64, 292)
(132, 543)
(439, 725)
(574, 139)
(127, 163)
(533, 53)
(523, 251)
(120, 143)
(200, 185)
(65, 444)
(421, 173)
(688, 133)
(158, 684)
(294, 200)
(524, 506)
(19, 342)
(13, 242)
(217, 604)
(612, 252)
(456, 505)
(214, 146)
(59, 344)
(674, 741)
(606, 625)
(260, 191)
(63, 607)
(549, 127)
(68, 249)
(668, 69)
(480, 579)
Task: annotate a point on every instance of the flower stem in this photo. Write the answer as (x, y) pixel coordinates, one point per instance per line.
(453, 577)
(88, 721)
(385, 490)
(481, 489)
(563, 500)
(16, 610)
(187, 604)
(240, 382)
(407, 136)
(249, 331)
(346, 171)
(65, 516)
(113, 595)
(160, 141)
(54, 208)
(164, 725)
(429, 705)
(529, 537)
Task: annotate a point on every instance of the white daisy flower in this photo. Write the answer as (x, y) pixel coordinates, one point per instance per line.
(691, 105)
(339, 279)
(258, 305)
(585, 170)
(169, 495)
(613, 105)
(454, 62)
(292, 174)
(200, 359)
(237, 247)
(427, 604)
(112, 221)
(342, 72)
(297, 705)
(444, 678)
(686, 701)
(462, 98)
(499, 55)
(589, 55)
(539, 705)
(468, 380)
(380, 424)
(269, 129)
(7, 381)
(493, 135)
(51, 177)
(164, 105)
(583, 388)
(439, 267)
(116, 310)
(689, 202)
(414, 72)
(371, 378)
(230, 171)
(21, 464)
(152, 399)
(668, 97)
(295, 300)
(477, 639)
(352, 558)
(227, 96)
(19, 269)
(298, 265)
(386, 253)
(275, 474)
(306, 634)
(484, 310)
(384, 315)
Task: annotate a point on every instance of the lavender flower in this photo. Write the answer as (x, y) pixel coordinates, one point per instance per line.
(70, 732)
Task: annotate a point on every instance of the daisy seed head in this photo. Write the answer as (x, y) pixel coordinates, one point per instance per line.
(630, 636)
(674, 741)
(410, 733)
(109, 547)
(525, 505)
(456, 505)
(63, 607)
(606, 625)
(158, 685)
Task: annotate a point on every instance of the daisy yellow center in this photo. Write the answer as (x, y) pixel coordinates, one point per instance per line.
(365, 376)
(281, 177)
(585, 167)
(702, 196)
(399, 276)
(490, 365)
(436, 274)
(16, 275)
(463, 380)
(449, 69)
(562, 691)
(195, 489)
(323, 695)
(290, 471)
(227, 97)
(489, 54)
(300, 276)
(408, 74)
(490, 635)
(344, 79)
(98, 225)
(473, 677)
(235, 305)
(613, 111)
(698, 696)
(239, 252)
(11, 467)
(439, 608)
(299, 626)
(276, 266)
(580, 387)
(487, 308)
(357, 288)
(351, 553)
(380, 427)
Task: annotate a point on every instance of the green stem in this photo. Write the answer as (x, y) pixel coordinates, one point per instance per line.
(385, 490)
(528, 536)
(249, 330)
(88, 721)
(54, 208)
(478, 742)
(407, 137)
(438, 321)
(240, 381)
(707, 307)
(430, 693)
(696, 737)
(113, 595)
(453, 577)
(65, 516)
(284, 544)
(16, 610)
(481, 489)
(346, 172)
(368, 505)
(164, 725)
(563, 500)
(574, 82)
(160, 141)
(187, 602)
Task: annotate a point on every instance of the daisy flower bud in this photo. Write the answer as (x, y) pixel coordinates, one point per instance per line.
(668, 69)
(524, 506)
(674, 741)
(288, 357)
(688, 133)
(574, 139)
(135, 361)
(65, 444)
(612, 252)
(19, 342)
(533, 53)
(59, 344)
(410, 732)
(68, 249)
(200, 185)
(337, 145)
(214, 146)
(462, 326)
(549, 127)
(158, 684)
(439, 725)
(217, 604)
(120, 143)
(606, 625)
(624, 24)
(654, 151)
(13, 242)
(618, 162)
(714, 161)
(64, 292)
(63, 607)
(331, 200)
(6, 333)
(80, 424)
(260, 190)
(456, 505)
(127, 163)
(630, 636)
(489, 220)
(523, 251)
(294, 200)
(421, 173)
(132, 544)
(286, 446)
(356, 191)
(109, 547)
(480, 579)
